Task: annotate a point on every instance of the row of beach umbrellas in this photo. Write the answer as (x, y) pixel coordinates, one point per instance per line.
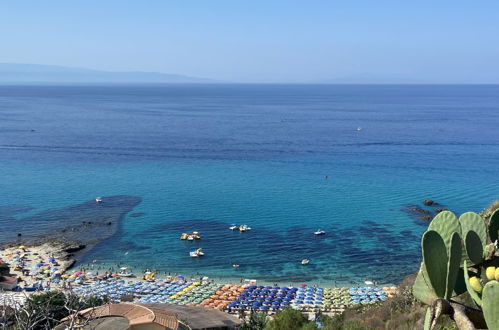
(235, 297)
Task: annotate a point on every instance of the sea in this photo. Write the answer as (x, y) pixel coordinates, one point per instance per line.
(285, 160)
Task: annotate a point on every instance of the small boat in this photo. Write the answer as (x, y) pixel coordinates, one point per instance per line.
(190, 236)
(98, 199)
(244, 228)
(196, 253)
(319, 232)
(149, 277)
(233, 227)
(124, 272)
(305, 262)
(359, 129)
(369, 282)
(235, 265)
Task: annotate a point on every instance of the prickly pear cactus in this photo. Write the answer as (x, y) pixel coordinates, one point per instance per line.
(461, 255)
(453, 264)
(474, 234)
(494, 226)
(445, 224)
(490, 304)
(422, 288)
(442, 263)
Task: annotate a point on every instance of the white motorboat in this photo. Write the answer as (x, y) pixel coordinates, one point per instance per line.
(305, 262)
(98, 199)
(124, 272)
(319, 232)
(233, 227)
(196, 253)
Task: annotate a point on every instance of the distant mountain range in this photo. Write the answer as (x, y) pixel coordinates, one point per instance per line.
(35, 73)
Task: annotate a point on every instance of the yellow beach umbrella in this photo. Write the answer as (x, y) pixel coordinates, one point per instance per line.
(22, 247)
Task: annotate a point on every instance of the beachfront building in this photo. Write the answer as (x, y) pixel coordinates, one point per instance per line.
(127, 316)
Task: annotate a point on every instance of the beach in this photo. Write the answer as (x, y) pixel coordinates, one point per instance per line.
(47, 266)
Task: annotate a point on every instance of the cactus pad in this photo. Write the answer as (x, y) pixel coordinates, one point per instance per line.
(471, 291)
(422, 290)
(474, 232)
(446, 224)
(490, 304)
(494, 226)
(435, 258)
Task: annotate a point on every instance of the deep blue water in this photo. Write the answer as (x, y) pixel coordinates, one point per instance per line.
(204, 156)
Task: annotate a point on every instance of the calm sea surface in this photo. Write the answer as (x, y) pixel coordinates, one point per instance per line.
(204, 156)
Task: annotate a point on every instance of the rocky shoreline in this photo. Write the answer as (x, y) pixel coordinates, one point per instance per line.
(66, 252)
(72, 231)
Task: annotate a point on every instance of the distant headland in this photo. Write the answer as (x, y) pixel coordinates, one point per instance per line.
(20, 73)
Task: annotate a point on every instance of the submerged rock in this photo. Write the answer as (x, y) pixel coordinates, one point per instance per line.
(74, 248)
(87, 222)
(429, 202)
(418, 213)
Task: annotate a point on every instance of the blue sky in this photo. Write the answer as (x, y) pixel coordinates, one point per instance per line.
(261, 41)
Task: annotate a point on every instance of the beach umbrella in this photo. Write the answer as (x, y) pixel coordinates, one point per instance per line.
(22, 246)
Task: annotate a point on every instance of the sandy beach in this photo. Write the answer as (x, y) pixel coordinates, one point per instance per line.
(39, 263)
(47, 266)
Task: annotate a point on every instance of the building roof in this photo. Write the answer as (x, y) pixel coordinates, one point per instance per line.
(167, 315)
(199, 317)
(135, 314)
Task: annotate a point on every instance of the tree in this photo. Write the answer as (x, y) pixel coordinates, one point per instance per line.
(45, 310)
(288, 319)
(256, 321)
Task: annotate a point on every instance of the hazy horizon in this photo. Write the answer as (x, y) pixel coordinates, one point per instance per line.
(260, 42)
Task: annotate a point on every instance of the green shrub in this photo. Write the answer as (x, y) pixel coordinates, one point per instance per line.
(288, 319)
(45, 310)
(256, 321)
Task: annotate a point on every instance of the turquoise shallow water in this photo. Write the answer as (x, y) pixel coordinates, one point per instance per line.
(202, 158)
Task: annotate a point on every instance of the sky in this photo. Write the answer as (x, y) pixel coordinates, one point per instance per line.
(261, 41)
